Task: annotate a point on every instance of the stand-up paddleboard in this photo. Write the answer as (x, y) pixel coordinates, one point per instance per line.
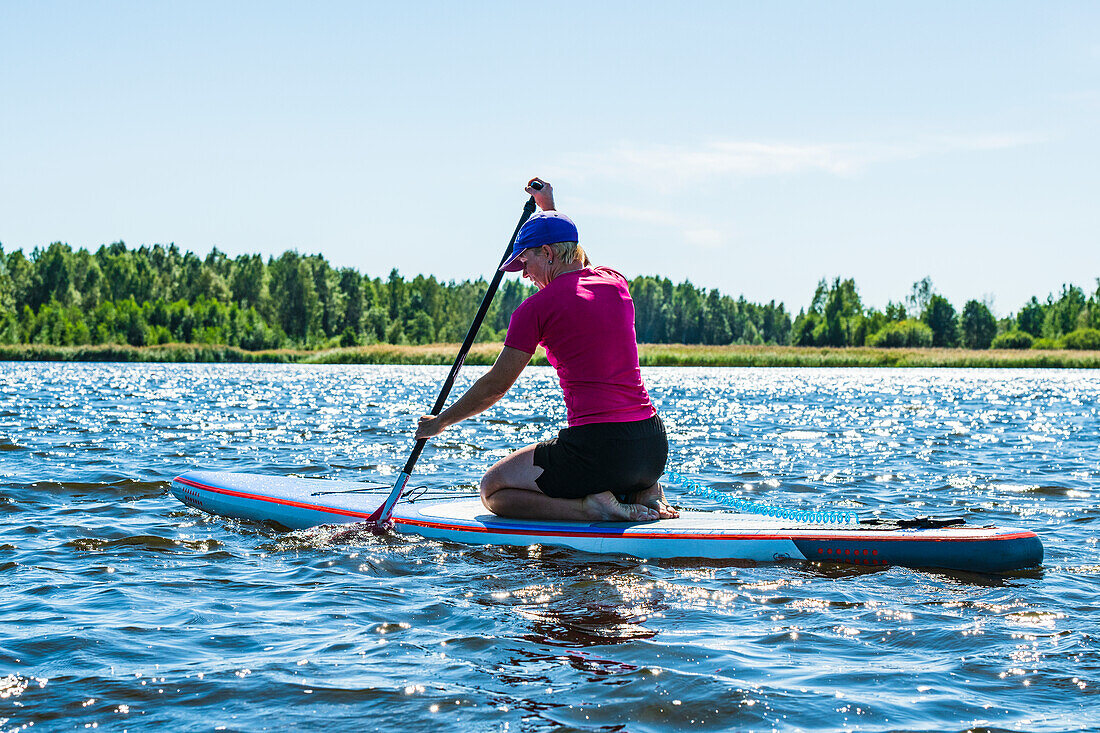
(298, 503)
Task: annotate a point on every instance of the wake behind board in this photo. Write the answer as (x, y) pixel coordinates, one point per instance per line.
(298, 503)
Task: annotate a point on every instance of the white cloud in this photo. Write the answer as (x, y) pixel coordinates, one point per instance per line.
(704, 238)
(669, 165)
(634, 213)
(645, 172)
(690, 231)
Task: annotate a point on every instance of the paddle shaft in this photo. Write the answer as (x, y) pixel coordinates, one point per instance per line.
(382, 514)
(486, 301)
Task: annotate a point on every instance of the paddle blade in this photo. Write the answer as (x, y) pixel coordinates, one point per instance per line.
(380, 518)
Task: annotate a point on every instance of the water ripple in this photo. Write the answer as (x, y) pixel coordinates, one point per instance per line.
(123, 609)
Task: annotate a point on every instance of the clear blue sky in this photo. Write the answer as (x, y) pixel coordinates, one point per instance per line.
(753, 147)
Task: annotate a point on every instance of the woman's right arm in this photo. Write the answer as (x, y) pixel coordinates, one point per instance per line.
(482, 395)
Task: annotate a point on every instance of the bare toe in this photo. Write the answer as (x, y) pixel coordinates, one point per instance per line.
(666, 510)
(654, 498)
(640, 513)
(605, 507)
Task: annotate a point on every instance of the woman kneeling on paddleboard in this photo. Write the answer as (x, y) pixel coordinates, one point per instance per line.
(605, 465)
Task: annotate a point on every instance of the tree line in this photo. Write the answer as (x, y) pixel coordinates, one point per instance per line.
(837, 317)
(160, 294)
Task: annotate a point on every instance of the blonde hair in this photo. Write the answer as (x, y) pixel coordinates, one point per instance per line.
(569, 252)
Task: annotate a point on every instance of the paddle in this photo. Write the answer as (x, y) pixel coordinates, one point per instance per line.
(380, 518)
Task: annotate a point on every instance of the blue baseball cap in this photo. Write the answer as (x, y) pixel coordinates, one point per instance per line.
(545, 227)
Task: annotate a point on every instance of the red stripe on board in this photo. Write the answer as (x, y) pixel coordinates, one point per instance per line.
(874, 538)
(272, 499)
(582, 533)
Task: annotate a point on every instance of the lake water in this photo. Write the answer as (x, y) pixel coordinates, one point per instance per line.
(122, 609)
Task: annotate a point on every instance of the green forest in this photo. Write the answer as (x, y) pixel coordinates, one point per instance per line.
(157, 295)
(836, 317)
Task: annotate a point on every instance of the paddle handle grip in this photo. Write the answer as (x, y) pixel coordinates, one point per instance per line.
(483, 309)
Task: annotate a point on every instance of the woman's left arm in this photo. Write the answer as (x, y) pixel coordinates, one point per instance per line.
(482, 395)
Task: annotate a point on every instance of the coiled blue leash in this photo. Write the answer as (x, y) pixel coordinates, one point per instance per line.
(815, 516)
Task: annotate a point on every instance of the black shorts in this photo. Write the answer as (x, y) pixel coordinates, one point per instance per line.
(621, 457)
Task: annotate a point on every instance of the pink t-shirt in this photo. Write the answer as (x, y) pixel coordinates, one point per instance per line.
(585, 321)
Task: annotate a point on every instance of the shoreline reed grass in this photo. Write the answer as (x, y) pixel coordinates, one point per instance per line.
(649, 355)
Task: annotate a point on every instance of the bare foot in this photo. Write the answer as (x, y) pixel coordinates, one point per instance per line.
(654, 498)
(605, 507)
